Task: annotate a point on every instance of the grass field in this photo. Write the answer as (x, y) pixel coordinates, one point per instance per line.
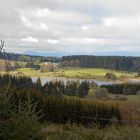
(72, 132)
(92, 73)
(132, 99)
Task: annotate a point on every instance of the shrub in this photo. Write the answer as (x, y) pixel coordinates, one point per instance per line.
(5, 116)
(101, 93)
(110, 76)
(18, 122)
(25, 124)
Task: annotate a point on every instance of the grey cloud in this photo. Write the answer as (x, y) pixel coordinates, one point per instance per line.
(64, 25)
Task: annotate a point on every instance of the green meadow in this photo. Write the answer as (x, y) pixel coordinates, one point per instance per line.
(93, 73)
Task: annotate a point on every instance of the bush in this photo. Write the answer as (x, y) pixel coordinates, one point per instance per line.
(101, 93)
(110, 76)
(18, 122)
(5, 116)
(26, 125)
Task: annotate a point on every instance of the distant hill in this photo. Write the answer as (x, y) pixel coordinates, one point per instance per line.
(28, 58)
(48, 54)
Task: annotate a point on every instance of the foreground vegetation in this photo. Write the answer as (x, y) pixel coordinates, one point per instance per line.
(68, 132)
(54, 106)
(56, 111)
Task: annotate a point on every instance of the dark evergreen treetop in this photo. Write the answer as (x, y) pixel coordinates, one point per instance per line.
(107, 62)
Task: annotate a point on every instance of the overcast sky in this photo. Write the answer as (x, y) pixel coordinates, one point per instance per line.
(98, 26)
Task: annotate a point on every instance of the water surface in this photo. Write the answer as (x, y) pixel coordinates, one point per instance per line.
(48, 79)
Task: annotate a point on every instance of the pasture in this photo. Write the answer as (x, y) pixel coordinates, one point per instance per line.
(82, 73)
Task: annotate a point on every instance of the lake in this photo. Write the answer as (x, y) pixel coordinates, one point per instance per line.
(48, 79)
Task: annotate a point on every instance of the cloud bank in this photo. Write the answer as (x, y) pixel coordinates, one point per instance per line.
(98, 26)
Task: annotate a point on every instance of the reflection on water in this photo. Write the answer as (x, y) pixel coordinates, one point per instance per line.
(48, 79)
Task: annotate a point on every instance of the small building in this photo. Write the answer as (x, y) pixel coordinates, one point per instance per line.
(48, 67)
(4, 65)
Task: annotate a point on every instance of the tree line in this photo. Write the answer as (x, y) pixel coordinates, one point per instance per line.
(126, 88)
(106, 62)
(55, 87)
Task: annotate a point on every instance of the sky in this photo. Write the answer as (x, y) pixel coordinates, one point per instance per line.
(98, 27)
